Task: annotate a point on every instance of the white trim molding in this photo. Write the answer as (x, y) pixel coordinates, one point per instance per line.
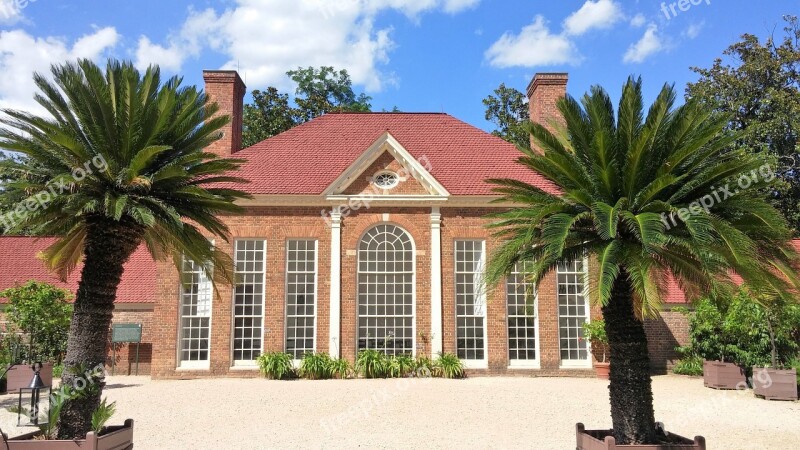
(436, 282)
(335, 334)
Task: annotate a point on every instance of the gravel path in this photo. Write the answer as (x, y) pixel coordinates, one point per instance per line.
(537, 413)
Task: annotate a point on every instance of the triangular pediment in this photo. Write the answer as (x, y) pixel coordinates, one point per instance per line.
(387, 156)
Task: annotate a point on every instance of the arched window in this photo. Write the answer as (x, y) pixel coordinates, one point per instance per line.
(386, 291)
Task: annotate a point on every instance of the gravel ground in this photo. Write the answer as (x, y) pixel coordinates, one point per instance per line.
(537, 413)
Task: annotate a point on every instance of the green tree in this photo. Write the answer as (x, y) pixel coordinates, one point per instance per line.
(508, 110)
(268, 115)
(758, 86)
(319, 91)
(126, 157)
(12, 175)
(630, 188)
(42, 312)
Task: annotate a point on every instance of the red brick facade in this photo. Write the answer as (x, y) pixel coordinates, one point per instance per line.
(445, 202)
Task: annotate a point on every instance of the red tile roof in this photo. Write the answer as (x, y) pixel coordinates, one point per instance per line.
(307, 159)
(19, 263)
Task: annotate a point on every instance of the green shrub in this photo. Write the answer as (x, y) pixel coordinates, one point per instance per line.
(276, 366)
(595, 332)
(58, 370)
(316, 366)
(400, 366)
(424, 367)
(690, 365)
(372, 364)
(340, 368)
(42, 312)
(737, 330)
(449, 366)
(102, 415)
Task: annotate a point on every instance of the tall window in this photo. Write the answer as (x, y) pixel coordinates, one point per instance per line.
(195, 332)
(248, 300)
(386, 291)
(573, 312)
(470, 301)
(301, 296)
(522, 320)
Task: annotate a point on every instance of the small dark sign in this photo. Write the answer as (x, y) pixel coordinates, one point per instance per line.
(126, 332)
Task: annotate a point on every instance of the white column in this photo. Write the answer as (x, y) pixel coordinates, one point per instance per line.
(436, 282)
(335, 341)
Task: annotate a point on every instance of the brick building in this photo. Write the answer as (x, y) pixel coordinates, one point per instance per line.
(367, 231)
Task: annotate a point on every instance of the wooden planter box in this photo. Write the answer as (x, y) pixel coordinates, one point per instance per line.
(20, 375)
(115, 438)
(721, 375)
(776, 385)
(604, 440)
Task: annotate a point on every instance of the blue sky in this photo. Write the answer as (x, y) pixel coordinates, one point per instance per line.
(418, 55)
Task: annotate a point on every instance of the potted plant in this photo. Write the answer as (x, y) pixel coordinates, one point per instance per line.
(595, 333)
(101, 437)
(781, 322)
(711, 338)
(39, 317)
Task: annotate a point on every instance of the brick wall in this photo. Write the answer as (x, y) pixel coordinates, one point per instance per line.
(669, 330)
(276, 226)
(126, 353)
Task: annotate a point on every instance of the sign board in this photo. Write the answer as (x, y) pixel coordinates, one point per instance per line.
(126, 332)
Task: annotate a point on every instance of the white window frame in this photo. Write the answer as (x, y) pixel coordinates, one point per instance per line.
(248, 364)
(413, 285)
(316, 297)
(575, 364)
(524, 363)
(199, 364)
(480, 298)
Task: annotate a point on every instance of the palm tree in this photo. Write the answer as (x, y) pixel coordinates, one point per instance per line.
(125, 163)
(645, 196)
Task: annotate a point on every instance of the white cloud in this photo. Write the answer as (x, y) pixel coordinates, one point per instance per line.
(535, 45)
(599, 14)
(265, 38)
(650, 44)
(638, 20)
(10, 12)
(694, 30)
(456, 6)
(22, 54)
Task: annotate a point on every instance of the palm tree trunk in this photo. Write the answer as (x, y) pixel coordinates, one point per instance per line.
(108, 246)
(630, 385)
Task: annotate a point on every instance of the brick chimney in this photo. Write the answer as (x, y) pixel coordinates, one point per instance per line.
(226, 89)
(543, 94)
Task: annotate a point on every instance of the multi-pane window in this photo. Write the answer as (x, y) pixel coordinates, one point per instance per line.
(470, 301)
(301, 295)
(196, 293)
(521, 303)
(573, 311)
(248, 300)
(386, 291)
